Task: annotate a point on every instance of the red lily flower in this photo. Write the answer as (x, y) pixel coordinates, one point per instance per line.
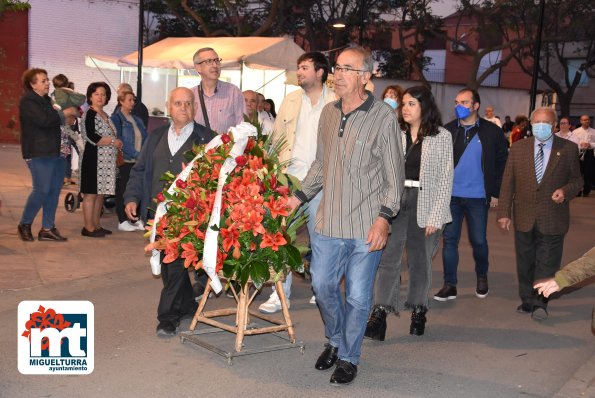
(273, 241)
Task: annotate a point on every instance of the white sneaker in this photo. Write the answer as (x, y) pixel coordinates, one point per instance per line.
(313, 300)
(139, 225)
(272, 305)
(126, 226)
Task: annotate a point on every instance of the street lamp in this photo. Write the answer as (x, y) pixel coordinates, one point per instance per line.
(339, 23)
(536, 56)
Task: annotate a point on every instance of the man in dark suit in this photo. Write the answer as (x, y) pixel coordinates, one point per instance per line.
(164, 151)
(541, 176)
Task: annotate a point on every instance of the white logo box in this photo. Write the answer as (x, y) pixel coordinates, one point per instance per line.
(42, 325)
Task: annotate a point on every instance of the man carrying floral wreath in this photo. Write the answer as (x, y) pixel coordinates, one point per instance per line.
(164, 151)
(359, 166)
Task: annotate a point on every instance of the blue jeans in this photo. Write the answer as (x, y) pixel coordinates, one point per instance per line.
(345, 320)
(47, 175)
(476, 211)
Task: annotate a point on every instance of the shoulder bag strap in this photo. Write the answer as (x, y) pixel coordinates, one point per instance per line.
(203, 107)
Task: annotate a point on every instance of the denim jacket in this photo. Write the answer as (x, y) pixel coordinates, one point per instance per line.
(125, 132)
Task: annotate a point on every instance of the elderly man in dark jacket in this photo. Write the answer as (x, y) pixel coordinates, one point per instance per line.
(164, 151)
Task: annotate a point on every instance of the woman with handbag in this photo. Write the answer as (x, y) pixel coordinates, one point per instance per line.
(98, 167)
(131, 130)
(425, 208)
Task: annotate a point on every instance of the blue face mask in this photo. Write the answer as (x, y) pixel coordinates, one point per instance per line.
(542, 131)
(462, 112)
(392, 102)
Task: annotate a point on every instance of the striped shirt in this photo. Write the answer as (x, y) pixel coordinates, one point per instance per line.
(359, 163)
(225, 107)
(175, 141)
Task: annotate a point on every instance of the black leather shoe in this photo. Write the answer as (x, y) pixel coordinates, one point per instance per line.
(524, 308)
(539, 313)
(50, 235)
(327, 359)
(344, 373)
(376, 327)
(418, 320)
(98, 233)
(105, 231)
(166, 329)
(25, 234)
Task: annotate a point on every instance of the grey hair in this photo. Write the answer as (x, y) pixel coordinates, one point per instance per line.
(545, 109)
(368, 64)
(201, 50)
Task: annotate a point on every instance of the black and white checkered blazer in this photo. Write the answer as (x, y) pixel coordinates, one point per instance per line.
(435, 179)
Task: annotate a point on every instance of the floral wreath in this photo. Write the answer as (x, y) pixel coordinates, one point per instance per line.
(257, 229)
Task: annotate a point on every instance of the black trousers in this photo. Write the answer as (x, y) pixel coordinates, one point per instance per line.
(121, 181)
(587, 168)
(177, 298)
(538, 256)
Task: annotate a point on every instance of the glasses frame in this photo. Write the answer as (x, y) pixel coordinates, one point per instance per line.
(210, 61)
(346, 69)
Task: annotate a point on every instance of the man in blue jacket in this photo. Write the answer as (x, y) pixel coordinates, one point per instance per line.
(480, 153)
(164, 151)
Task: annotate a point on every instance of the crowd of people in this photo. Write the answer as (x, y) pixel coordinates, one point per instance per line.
(380, 177)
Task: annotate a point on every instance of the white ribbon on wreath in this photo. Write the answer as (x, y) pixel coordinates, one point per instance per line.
(241, 133)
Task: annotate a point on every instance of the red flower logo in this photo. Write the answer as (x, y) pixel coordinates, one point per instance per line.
(43, 319)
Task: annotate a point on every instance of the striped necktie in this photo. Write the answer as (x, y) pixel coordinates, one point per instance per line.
(539, 163)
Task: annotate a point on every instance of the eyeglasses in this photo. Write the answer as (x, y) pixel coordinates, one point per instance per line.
(216, 61)
(345, 69)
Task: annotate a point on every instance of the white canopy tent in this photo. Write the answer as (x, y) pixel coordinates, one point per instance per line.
(254, 63)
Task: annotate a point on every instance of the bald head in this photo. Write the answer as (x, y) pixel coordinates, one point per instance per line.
(251, 100)
(585, 121)
(181, 106)
(544, 115)
(124, 87)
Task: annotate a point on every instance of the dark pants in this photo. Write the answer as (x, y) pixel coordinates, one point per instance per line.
(420, 250)
(121, 181)
(538, 256)
(68, 167)
(177, 298)
(476, 212)
(587, 166)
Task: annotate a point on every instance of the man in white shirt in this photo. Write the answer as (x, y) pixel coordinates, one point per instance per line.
(297, 124)
(489, 116)
(586, 145)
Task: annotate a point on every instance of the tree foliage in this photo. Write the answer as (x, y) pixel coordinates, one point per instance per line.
(568, 35)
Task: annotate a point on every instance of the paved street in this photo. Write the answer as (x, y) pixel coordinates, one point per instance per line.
(472, 347)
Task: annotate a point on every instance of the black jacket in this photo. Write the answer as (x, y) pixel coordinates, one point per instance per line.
(40, 126)
(139, 184)
(493, 156)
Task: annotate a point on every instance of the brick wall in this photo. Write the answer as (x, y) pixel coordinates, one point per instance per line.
(61, 32)
(13, 62)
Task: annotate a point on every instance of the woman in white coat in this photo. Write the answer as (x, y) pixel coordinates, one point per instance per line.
(425, 208)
